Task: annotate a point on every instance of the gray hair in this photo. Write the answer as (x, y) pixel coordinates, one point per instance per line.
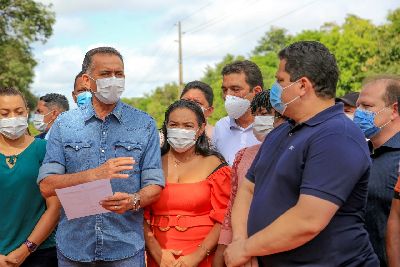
(87, 61)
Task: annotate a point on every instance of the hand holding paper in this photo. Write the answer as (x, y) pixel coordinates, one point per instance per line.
(84, 199)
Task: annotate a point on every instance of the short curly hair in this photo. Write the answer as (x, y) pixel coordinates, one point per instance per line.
(53, 100)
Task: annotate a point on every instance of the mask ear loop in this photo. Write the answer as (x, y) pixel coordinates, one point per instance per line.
(385, 124)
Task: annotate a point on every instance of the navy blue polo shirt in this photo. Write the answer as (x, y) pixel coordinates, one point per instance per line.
(382, 179)
(326, 157)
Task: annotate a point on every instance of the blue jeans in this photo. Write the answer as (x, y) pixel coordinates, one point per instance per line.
(136, 261)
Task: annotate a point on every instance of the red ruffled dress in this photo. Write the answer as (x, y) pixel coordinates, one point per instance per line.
(186, 212)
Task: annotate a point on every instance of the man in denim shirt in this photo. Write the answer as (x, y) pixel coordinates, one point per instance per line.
(104, 139)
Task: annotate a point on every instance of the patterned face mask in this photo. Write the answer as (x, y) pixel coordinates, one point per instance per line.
(365, 119)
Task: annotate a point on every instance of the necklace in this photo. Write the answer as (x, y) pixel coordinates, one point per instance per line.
(185, 160)
(12, 159)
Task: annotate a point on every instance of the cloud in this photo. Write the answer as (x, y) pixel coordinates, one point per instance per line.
(146, 36)
(74, 7)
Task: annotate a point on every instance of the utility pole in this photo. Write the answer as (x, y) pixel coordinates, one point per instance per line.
(180, 58)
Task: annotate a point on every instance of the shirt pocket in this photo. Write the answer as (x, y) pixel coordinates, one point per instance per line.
(77, 155)
(129, 149)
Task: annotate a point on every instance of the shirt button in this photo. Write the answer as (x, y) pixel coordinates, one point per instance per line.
(102, 151)
(290, 134)
(76, 148)
(104, 133)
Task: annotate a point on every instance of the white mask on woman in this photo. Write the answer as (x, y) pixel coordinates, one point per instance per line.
(262, 126)
(13, 128)
(181, 140)
(236, 106)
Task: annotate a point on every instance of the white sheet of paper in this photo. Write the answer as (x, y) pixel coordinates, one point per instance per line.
(83, 200)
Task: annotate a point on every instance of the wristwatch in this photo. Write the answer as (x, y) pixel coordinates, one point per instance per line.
(135, 201)
(31, 246)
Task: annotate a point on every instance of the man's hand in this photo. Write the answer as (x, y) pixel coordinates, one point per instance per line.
(235, 254)
(118, 203)
(112, 168)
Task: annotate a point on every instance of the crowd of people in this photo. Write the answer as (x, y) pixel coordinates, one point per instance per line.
(292, 176)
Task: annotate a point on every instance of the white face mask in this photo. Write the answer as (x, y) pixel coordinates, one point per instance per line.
(109, 90)
(262, 126)
(13, 128)
(236, 106)
(38, 122)
(181, 140)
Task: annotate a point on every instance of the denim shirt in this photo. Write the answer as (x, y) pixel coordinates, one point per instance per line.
(79, 141)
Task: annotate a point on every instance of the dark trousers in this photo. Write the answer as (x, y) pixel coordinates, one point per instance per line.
(42, 258)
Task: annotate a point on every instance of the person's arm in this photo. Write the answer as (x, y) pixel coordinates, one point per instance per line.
(44, 227)
(225, 237)
(240, 209)
(122, 202)
(6, 261)
(152, 178)
(310, 215)
(208, 244)
(52, 172)
(393, 235)
(110, 169)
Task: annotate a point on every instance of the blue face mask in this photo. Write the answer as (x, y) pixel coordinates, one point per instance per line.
(83, 98)
(275, 97)
(365, 119)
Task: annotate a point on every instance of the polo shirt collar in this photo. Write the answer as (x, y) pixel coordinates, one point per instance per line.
(88, 111)
(393, 142)
(325, 115)
(320, 117)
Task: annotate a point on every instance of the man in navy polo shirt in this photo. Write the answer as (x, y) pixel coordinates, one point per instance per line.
(377, 116)
(305, 193)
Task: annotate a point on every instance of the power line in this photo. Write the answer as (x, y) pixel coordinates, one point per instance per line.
(242, 35)
(215, 20)
(197, 11)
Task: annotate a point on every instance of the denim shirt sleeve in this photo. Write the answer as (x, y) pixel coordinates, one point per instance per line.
(152, 173)
(54, 161)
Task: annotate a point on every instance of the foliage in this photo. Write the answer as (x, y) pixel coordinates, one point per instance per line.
(22, 22)
(360, 47)
(156, 103)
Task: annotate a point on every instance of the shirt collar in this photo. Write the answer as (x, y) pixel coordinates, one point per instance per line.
(393, 142)
(234, 125)
(320, 117)
(89, 112)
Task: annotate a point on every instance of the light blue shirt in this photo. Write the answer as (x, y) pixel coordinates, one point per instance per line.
(79, 141)
(229, 138)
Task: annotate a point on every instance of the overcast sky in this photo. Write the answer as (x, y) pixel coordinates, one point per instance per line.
(145, 33)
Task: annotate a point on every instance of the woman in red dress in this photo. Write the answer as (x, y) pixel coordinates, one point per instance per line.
(183, 226)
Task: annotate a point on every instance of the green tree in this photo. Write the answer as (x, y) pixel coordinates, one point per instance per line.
(360, 47)
(157, 102)
(22, 22)
(387, 59)
(272, 42)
